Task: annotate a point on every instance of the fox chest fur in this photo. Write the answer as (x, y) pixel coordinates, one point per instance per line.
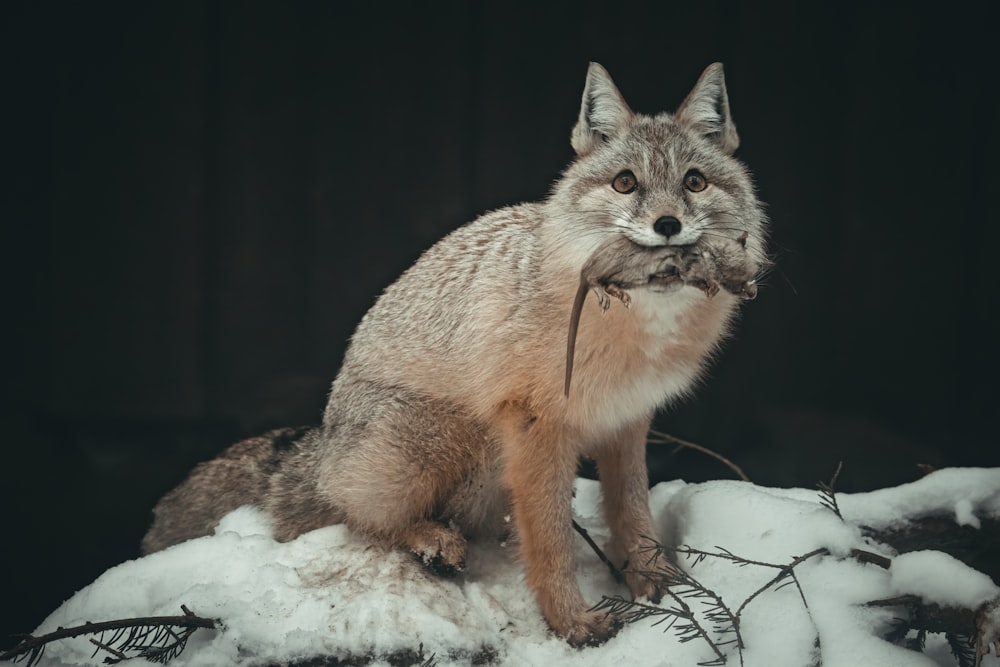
(500, 311)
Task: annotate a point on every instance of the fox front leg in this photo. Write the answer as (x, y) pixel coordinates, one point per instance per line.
(621, 467)
(540, 459)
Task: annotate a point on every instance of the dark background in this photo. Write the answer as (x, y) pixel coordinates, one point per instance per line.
(200, 200)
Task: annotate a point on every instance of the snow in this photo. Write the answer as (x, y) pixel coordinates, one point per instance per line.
(964, 514)
(963, 492)
(918, 573)
(330, 593)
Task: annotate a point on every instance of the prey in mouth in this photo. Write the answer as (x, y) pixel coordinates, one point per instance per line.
(620, 264)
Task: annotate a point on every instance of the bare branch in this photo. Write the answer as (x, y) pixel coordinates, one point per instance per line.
(657, 437)
(868, 557)
(615, 572)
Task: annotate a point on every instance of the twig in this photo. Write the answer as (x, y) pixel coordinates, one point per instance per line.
(104, 647)
(657, 437)
(784, 571)
(725, 554)
(868, 557)
(615, 572)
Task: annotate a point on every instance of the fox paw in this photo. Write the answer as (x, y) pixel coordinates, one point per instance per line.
(440, 549)
(645, 571)
(642, 585)
(591, 628)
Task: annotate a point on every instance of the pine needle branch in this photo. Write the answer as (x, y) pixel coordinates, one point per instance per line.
(786, 575)
(678, 617)
(963, 649)
(711, 621)
(785, 572)
(155, 638)
(828, 496)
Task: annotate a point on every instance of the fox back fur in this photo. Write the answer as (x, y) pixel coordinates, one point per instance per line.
(449, 411)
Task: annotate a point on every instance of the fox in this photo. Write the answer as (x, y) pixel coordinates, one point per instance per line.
(453, 411)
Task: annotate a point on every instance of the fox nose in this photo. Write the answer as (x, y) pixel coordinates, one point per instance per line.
(667, 226)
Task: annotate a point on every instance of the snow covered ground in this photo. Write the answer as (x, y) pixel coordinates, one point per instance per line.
(329, 593)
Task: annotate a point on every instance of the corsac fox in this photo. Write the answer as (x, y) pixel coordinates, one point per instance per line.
(453, 407)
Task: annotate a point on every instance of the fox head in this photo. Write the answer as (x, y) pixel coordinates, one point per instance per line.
(668, 179)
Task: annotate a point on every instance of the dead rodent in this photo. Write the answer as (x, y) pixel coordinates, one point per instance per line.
(621, 264)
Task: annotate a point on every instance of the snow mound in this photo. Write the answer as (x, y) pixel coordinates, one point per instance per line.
(331, 594)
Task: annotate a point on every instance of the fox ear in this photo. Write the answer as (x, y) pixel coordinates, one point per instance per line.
(706, 109)
(603, 114)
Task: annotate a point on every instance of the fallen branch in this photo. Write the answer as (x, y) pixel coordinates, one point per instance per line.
(970, 632)
(129, 634)
(979, 548)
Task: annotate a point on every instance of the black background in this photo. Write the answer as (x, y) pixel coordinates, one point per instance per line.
(200, 200)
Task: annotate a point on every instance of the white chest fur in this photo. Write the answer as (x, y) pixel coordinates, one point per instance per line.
(632, 361)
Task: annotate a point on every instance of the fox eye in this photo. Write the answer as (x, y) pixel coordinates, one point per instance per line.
(625, 182)
(695, 181)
